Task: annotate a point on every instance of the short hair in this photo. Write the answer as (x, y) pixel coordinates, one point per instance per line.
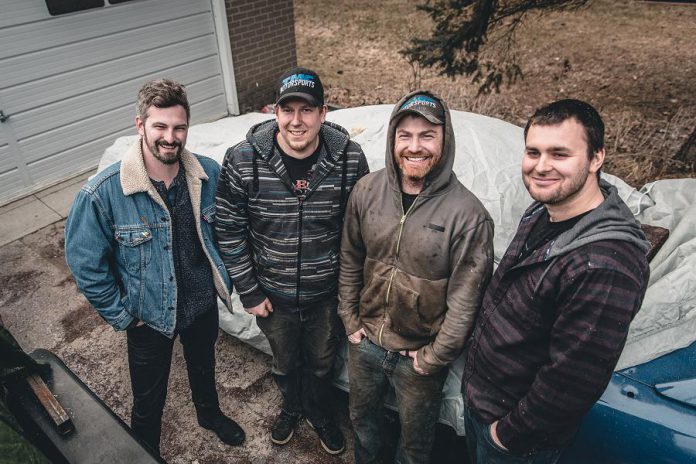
(161, 93)
(584, 113)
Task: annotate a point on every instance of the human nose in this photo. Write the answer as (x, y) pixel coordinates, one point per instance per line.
(543, 164)
(414, 145)
(296, 118)
(168, 135)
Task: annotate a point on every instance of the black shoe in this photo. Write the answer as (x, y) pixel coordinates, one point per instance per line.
(283, 428)
(331, 437)
(227, 430)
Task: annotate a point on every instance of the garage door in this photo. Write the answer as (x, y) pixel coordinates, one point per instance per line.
(68, 82)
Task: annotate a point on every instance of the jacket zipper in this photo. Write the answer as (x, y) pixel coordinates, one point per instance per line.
(393, 271)
(299, 251)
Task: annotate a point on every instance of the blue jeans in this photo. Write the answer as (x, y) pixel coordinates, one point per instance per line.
(304, 343)
(371, 369)
(483, 450)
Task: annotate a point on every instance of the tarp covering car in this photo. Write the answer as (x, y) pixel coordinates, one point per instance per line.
(488, 156)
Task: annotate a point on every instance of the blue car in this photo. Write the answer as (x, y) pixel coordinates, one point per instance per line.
(646, 415)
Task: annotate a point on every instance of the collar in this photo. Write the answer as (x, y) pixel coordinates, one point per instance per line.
(134, 177)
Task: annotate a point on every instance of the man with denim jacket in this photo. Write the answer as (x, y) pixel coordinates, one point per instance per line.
(140, 241)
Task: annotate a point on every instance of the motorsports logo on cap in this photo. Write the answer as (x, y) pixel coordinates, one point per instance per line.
(297, 80)
(419, 100)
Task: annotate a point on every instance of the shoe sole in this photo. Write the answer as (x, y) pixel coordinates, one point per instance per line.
(326, 448)
(282, 442)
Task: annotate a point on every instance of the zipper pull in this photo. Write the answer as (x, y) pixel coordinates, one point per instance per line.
(403, 219)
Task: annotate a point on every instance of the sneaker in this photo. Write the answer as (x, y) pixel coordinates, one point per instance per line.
(331, 437)
(283, 428)
(227, 430)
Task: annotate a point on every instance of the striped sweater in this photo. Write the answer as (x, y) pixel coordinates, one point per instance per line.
(552, 326)
(273, 242)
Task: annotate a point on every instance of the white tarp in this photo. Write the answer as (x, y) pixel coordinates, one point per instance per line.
(488, 156)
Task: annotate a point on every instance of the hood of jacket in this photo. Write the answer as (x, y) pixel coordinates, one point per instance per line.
(611, 220)
(262, 137)
(441, 176)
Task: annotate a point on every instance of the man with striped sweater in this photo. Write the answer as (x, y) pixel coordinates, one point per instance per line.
(280, 205)
(555, 317)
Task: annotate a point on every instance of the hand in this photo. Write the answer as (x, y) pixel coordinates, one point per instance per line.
(262, 309)
(414, 355)
(356, 337)
(494, 435)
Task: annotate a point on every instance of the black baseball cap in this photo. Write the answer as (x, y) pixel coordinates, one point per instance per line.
(300, 83)
(423, 105)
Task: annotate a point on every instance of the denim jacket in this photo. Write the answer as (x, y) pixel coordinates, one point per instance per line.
(118, 241)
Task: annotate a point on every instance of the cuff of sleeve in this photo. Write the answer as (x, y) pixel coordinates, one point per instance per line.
(124, 322)
(251, 299)
(351, 321)
(428, 361)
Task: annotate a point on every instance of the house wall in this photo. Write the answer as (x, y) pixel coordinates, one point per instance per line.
(262, 36)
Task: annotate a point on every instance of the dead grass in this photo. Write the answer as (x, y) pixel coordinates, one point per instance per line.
(635, 61)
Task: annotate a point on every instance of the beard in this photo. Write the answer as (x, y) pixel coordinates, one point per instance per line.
(415, 174)
(164, 158)
(562, 192)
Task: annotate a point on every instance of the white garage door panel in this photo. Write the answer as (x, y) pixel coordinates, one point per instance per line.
(73, 110)
(21, 11)
(75, 160)
(70, 82)
(7, 162)
(105, 124)
(12, 185)
(42, 92)
(79, 55)
(72, 28)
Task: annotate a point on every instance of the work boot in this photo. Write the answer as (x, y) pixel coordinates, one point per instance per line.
(283, 428)
(227, 430)
(331, 437)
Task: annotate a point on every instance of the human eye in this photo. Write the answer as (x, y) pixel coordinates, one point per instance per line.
(531, 153)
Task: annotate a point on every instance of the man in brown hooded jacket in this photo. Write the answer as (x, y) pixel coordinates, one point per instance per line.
(416, 255)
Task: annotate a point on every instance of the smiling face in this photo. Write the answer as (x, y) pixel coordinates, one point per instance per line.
(417, 150)
(298, 127)
(164, 133)
(556, 168)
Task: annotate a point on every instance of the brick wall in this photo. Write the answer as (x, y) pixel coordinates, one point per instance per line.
(262, 36)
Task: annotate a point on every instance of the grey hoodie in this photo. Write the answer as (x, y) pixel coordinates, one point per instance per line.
(414, 280)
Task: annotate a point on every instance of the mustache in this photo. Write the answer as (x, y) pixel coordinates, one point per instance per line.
(175, 143)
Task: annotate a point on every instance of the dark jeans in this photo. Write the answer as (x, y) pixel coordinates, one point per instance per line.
(149, 360)
(304, 346)
(483, 450)
(418, 397)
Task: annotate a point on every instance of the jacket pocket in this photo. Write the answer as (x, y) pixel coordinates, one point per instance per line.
(135, 245)
(417, 306)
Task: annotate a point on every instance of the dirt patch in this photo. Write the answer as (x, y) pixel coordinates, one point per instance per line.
(49, 243)
(634, 61)
(80, 322)
(18, 285)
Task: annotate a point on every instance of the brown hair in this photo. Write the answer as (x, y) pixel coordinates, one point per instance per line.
(161, 93)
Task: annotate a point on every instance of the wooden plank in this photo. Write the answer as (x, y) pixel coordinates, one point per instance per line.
(55, 411)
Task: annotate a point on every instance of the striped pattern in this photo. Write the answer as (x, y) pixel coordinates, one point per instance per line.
(545, 346)
(69, 82)
(259, 231)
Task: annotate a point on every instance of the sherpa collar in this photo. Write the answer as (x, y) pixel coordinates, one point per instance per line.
(134, 177)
